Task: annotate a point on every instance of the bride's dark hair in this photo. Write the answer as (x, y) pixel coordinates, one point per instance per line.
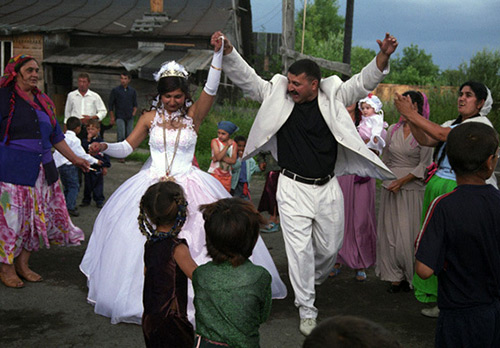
(171, 83)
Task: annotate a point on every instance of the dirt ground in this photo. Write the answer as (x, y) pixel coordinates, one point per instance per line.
(54, 313)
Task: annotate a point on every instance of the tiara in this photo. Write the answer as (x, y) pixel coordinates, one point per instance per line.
(169, 69)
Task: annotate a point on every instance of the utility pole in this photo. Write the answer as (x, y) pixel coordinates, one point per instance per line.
(287, 49)
(287, 31)
(349, 14)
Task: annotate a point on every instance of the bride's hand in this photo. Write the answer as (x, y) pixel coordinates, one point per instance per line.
(216, 41)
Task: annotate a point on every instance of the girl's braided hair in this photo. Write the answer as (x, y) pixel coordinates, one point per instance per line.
(162, 204)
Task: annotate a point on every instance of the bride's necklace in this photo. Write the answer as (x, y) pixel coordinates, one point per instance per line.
(168, 165)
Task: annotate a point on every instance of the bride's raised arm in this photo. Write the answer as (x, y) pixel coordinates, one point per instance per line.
(202, 106)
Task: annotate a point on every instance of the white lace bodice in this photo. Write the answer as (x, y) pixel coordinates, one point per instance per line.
(182, 162)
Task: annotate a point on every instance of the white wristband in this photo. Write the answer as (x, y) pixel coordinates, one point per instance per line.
(214, 73)
(119, 150)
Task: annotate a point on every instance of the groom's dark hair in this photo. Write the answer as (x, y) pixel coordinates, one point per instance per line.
(307, 66)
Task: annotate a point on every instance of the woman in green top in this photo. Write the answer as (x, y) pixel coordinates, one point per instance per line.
(232, 296)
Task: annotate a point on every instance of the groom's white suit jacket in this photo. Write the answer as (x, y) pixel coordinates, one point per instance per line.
(353, 156)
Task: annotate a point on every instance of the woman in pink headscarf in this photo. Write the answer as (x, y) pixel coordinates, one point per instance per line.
(32, 207)
(401, 200)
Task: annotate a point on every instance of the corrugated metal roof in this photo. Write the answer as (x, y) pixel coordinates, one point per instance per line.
(103, 57)
(146, 62)
(192, 59)
(114, 17)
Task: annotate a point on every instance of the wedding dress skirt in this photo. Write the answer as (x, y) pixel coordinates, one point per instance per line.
(113, 261)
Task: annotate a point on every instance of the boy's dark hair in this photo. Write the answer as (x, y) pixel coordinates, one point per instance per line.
(84, 76)
(126, 73)
(307, 66)
(469, 145)
(162, 204)
(349, 332)
(73, 123)
(94, 122)
(231, 227)
(240, 138)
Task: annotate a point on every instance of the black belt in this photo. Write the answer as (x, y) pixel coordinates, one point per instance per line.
(304, 180)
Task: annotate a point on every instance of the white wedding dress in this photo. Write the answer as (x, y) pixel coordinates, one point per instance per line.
(113, 261)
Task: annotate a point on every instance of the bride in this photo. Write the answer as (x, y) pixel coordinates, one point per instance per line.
(113, 261)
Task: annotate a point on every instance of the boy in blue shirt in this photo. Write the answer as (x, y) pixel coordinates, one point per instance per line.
(241, 172)
(460, 243)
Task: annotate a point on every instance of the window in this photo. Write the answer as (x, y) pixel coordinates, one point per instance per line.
(5, 53)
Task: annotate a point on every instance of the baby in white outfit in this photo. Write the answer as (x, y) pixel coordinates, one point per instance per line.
(372, 127)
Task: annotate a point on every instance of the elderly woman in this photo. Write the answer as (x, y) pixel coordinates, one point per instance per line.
(474, 103)
(32, 206)
(401, 200)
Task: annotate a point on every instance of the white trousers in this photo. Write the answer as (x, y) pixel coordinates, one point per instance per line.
(312, 221)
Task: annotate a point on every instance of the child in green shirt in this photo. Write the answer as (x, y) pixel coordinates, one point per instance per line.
(232, 296)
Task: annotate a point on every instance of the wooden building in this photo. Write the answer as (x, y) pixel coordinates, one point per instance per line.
(106, 37)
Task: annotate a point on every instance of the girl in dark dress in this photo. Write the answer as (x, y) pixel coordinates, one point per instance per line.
(168, 264)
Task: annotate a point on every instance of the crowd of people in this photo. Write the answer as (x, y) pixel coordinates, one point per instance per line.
(171, 250)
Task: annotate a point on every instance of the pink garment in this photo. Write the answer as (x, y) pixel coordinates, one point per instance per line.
(360, 231)
(373, 129)
(34, 216)
(268, 199)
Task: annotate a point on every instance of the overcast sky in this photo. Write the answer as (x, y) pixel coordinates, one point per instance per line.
(452, 31)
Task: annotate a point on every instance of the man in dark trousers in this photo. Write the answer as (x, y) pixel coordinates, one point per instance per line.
(123, 107)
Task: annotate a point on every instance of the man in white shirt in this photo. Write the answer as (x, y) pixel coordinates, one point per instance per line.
(84, 104)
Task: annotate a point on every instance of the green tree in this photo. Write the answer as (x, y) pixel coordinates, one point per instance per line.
(323, 23)
(450, 77)
(414, 67)
(484, 67)
(324, 35)
(360, 57)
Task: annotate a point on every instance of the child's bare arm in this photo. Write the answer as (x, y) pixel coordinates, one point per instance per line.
(218, 153)
(184, 260)
(234, 155)
(423, 270)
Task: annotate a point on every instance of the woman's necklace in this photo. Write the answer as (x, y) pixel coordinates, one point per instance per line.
(168, 166)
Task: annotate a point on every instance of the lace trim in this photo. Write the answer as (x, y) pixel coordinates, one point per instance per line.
(172, 121)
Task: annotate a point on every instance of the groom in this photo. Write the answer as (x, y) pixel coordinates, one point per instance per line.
(303, 121)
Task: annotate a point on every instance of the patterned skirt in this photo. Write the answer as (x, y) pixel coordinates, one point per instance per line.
(34, 216)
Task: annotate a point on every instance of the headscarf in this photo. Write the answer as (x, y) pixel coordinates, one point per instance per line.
(9, 80)
(10, 70)
(485, 110)
(227, 126)
(373, 101)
